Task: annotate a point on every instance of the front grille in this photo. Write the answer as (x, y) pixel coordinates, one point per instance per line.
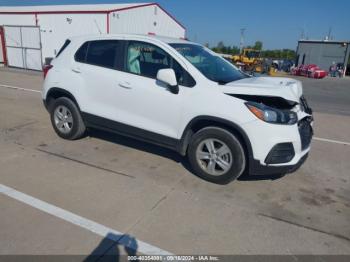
(306, 132)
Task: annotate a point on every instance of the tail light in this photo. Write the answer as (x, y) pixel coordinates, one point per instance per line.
(46, 69)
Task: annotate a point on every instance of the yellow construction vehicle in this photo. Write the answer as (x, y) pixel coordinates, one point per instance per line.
(249, 60)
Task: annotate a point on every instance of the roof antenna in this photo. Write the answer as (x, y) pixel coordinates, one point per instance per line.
(98, 28)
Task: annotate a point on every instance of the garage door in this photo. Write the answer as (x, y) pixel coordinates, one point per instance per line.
(23, 47)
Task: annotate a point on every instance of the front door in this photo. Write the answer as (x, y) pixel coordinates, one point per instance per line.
(143, 101)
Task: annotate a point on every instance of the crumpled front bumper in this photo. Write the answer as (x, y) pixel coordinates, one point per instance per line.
(265, 137)
(255, 168)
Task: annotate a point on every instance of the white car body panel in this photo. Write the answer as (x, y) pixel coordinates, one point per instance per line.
(286, 88)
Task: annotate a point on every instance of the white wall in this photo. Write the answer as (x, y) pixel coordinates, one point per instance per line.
(17, 19)
(150, 19)
(56, 28)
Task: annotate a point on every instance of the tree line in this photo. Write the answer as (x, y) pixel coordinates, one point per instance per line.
(274, 53)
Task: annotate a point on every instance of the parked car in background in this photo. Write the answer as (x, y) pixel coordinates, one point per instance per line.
(283, 65)
(311, 71)
(287, 64)
(179, 95)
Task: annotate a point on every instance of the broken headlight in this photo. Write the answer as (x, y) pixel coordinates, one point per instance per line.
(272, 115)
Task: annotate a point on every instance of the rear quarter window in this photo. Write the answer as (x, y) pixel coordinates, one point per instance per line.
(80, 55)
(103, 53)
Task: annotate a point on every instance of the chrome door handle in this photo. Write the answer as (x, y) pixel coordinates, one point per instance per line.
(76, 70)
(125, 85)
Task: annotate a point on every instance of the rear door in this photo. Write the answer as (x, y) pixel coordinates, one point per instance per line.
(97, 63)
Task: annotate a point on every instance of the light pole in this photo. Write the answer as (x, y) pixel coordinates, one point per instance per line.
(242, 40)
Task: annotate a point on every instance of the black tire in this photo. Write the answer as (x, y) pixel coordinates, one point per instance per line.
(77, 129)
(238, 158)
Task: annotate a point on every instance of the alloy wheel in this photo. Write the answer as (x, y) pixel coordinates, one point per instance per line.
(214, 156)
(63, 119)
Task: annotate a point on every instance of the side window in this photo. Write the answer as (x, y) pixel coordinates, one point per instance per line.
(80, 55)
(102, 53)
(146, 60)
(182, 76)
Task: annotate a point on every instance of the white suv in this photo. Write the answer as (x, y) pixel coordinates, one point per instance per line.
(180, 95)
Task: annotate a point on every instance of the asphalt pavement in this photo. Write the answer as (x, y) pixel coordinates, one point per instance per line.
(107, 194)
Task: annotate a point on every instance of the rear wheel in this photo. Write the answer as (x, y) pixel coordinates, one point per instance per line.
(66, 119)
(216, 155)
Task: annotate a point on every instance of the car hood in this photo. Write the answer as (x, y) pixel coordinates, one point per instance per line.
(287, 88)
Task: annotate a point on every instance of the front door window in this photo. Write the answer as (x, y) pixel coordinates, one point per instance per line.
(146, 59)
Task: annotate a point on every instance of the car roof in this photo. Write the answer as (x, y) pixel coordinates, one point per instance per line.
(167, 40)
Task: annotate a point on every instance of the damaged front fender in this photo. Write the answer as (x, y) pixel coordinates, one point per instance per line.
(271, 101)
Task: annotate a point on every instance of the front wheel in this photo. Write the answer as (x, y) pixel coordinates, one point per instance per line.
(216, 155)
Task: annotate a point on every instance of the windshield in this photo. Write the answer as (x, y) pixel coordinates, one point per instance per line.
(210, 65)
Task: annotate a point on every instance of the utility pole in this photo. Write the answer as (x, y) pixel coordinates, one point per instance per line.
(242, 39)
(329, 36)
(302, 33)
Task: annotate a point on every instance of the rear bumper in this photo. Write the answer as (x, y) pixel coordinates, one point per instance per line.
(255, 168)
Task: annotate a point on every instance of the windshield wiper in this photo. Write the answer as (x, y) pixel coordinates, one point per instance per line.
(222, 82)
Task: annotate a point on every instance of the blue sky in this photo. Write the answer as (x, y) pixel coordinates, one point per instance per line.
(278, 24)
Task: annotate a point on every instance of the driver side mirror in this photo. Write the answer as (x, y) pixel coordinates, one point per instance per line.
(168, 77)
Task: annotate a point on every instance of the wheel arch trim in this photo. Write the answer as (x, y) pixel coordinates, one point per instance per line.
(61, 92)
(211, 120)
